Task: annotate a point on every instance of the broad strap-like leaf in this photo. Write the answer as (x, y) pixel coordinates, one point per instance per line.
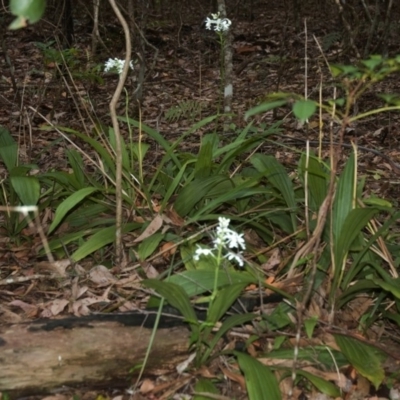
(317, 180)
(366, 359)
(68, 204)
(224, 299)
(200, 281)
(321, 384)
(229, 323)
(204, 163)
(175, 296)
(354, 223)
(27, 189)
(264, 107)
(8, 149)
(276, 174)
(261, 383)
(344, 200)
(98, 240)
(196, 191)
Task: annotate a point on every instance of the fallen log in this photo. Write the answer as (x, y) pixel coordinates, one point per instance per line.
(39, 356)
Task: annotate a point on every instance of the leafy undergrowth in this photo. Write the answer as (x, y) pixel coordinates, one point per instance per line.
(310, 245)
(221, 225)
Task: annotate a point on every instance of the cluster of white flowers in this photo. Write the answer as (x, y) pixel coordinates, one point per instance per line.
(116, 64)
(218, 24)
(226, 239)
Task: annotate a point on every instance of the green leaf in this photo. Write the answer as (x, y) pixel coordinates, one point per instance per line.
(195, 191)
(204, 162)
(345, 199)
(201, 281)
(102, 153)
(126, 163)
(304, 109)
(100, 239)
(8, 149)
(392, 287)
(69, 203)
(31, 10)
(76, 162)
(204, 386)
(175, 296)
(317, 180)
(309, 326)
(261, 383)
(321, 384)
(149, 245)
(224, 299)
(229, 323)
(366, 359)
(355, 222)
(279, 178)
(264, 107)
(27, 189)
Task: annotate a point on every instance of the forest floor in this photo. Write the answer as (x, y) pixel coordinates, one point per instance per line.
(183, 60)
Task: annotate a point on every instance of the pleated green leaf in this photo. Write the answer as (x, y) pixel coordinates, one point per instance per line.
(344, 200)
(279, 178)
(366, 359)
(261, 383)
(8, 149)
(101, 238)
(175, 296)
(204, 386)
(149, 245)
(196, 191)
(321, 384)
(200, 281)
(355, 222)
(68, 204)
(225, 298)
(264, 107)
(27, 189)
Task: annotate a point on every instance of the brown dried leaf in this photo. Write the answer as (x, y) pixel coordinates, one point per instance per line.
(172, 217)
(273, 261)
(58, 306)
(147, 386)
(57, 267)
(152, 228)
(101, 276)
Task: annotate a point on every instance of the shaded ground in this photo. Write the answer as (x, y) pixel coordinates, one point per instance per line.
(269, 56)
